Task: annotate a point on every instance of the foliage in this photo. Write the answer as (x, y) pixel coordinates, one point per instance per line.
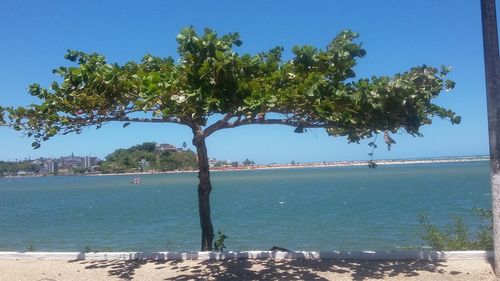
(248, 162)
(185, 160)
(221, 163)
(315, 89)
(219, 242)
(87, 249)
(11, 168)
(80, 170)
(147, 146)
(127, 160)
(457, 236)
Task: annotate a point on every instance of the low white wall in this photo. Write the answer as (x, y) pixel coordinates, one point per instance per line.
(325, 255)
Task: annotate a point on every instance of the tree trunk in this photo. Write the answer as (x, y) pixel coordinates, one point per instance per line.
(204, 189)
(492, 73)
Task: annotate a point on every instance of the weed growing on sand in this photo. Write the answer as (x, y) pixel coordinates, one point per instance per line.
(219, 242)
(87, 249)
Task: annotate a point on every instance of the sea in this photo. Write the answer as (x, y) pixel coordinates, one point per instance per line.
(329, 208)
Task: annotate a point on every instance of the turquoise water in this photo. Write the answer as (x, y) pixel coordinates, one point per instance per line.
(343, 208)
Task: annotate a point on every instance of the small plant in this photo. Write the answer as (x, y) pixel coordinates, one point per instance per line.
(87, 249)
(219, 242)
(457, 236)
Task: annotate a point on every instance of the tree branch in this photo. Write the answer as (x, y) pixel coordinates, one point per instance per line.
(263, 121)
(218, 125)
(286, 122)
(143, 120)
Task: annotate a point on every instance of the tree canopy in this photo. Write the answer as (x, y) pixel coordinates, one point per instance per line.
(315, 89)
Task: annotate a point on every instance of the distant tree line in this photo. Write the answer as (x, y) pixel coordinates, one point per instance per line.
(7, 168)
(225, 163)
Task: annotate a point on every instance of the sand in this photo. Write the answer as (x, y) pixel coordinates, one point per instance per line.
(269, 269)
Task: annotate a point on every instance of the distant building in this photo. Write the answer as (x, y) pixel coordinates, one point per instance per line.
(89, 162)
(167, 147)
(51, 166)
(48, 166)
(144, 164)
(71, 162)
(211, 162)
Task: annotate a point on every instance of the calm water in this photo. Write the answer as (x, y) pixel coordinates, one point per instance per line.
(352, 208)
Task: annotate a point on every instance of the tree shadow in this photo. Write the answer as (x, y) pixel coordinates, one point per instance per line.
(119, 268)
(491, 262)
(272, 269)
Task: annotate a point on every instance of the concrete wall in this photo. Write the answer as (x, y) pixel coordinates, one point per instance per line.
(326, 255)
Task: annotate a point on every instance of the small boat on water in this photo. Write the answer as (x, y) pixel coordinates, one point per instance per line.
(136, 181)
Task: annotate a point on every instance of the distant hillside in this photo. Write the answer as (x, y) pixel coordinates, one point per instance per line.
(148, 156)
(12, 168)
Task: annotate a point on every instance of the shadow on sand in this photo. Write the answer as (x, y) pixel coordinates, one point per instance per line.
(269, 269)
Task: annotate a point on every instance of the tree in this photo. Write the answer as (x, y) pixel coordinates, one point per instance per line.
(219, 164)
(147, 146)
(248, 162)
(212, 88)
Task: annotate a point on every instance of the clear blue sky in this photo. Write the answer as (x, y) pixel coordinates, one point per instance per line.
(397, 34)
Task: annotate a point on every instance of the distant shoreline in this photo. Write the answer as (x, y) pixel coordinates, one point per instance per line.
(311, 165)
(291, 166)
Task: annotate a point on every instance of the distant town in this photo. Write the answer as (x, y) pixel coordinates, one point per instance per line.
(69, 165)
(145, 158)
(49, 166)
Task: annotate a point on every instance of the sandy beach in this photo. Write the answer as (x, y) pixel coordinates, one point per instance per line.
(267, 269)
